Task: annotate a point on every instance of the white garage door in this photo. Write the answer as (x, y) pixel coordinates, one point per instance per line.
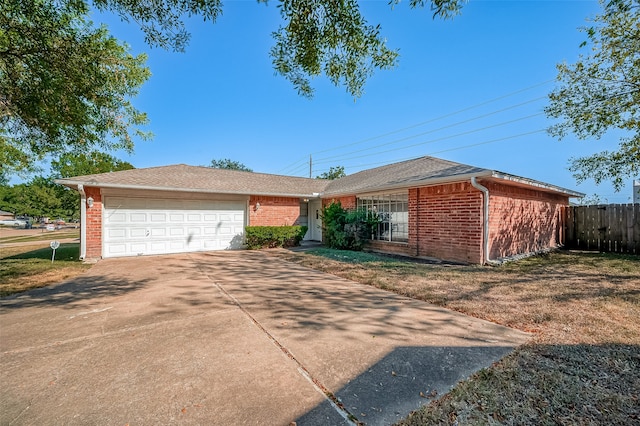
(139, 226)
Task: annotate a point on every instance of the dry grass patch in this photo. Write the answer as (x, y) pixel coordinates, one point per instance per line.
(24, 268)
(583, 308)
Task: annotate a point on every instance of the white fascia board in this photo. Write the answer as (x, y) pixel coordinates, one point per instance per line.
(413, 184)
(537, 184)
(74, 184)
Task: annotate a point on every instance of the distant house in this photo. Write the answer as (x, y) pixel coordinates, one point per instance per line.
(431, 208)
(6, 215)
(636, 191)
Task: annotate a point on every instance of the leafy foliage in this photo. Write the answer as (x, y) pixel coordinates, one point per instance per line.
(87, 163)
(333, 173)
(274, 236)
(601, 92)
(79, 164)
(228, 164)
(37, 198)
(41, 197)
(65, 85)
(347, 229)
(162, 20)
(332, 37)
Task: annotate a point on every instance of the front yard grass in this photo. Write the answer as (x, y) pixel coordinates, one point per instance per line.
(582, 365)
(27, 267)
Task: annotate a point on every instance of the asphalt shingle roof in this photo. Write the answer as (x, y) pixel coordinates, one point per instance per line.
(405, 174)
(182, 177)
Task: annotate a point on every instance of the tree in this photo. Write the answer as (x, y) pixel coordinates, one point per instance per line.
(601, 92)
(37, 198)
(79, 164)
(333, 173)
(64, 84)
(72, 164)
(317, 36)
(228, 164)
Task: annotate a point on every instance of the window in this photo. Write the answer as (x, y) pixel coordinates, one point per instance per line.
(393, 210)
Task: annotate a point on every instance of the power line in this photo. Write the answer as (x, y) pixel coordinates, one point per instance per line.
(445, 150)
(324, 161)
(435, 130)
(437, 118)
(293, 165)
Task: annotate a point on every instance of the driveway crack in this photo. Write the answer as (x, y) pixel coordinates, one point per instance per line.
(304, 372)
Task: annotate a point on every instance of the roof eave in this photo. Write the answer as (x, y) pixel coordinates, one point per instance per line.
(537, 184)
(414, 184)
(74, 184)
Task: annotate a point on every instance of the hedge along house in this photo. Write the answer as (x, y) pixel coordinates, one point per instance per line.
(429, 208)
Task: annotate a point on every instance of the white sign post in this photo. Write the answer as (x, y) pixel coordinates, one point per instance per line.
(54, 245)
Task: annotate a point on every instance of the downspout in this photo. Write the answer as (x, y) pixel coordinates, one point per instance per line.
(485, 228)
(83, 221)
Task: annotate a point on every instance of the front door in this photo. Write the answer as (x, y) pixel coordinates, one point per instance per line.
(315, 220)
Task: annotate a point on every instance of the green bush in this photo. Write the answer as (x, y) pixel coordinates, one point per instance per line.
(273, 236)
(347, 229)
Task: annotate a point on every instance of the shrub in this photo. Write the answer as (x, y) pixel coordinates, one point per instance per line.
(347, 229)
(273, 236)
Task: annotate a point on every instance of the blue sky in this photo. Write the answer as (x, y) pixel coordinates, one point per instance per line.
(470, 90)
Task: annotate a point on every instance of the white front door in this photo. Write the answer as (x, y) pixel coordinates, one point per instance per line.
(141, 226)
(315, 220)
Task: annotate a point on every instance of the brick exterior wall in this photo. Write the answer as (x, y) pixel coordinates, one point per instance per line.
(390, 247)
(274, 211)
(523, 220)
(94, 224)
(348, 203)
(445, 222)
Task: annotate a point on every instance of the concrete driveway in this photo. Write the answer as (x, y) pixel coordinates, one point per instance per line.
(229, 338)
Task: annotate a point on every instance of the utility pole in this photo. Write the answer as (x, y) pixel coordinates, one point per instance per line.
(310, 166)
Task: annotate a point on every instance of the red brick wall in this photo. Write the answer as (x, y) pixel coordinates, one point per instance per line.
(390, 247)
(94, 224)
(274, 211)
(445, 222)
(522, 220)
(348, 202)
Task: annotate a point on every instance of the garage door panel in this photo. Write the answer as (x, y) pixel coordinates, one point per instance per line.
(176, 218)
(137, 248)
(138, 232)
(158, 217)
(118, 218)
(148, 226)
(137, 217)
(117, 233)
(117, 249)
(194, 231)
(177, 245)
(176, 232)
(158, 232)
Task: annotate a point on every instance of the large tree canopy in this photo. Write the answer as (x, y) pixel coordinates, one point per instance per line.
(80, 164)
(64, 85)
(601, 92)
(316, 37)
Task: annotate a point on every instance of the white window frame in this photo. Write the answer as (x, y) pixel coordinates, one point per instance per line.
(393, 208)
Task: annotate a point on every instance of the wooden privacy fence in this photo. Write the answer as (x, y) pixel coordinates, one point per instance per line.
(608, 228)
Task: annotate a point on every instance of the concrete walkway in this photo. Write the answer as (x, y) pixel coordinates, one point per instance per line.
(229, 338)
